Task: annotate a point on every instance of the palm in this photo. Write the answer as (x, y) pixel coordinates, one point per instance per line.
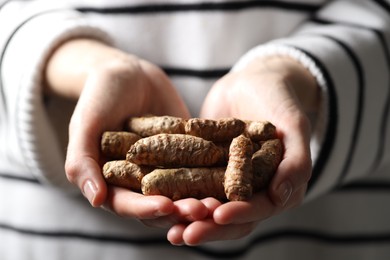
(256, 96)
(248, 96)
(110, 96)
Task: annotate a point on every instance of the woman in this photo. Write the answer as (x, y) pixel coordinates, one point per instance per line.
(318, 70)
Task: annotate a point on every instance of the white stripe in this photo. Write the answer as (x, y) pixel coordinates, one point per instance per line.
(376, 83)
(344, 75)
(30, 134)
(193, 39)
(69, 213)
(337, 214)
(359, 12)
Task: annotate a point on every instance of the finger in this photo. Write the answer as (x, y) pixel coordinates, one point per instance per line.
(85, 173)
(185, 211)
(294, 170)
(175, 234)
(259, 208)
(82, 165)
(211, 204)
(82, 161)
(126, 203)
(203, 231)
(160, 222)
(189, 210)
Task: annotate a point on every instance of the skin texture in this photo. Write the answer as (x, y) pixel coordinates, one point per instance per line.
(179, 183)
(155, 160)
(281, 91)
(112, 86)
(265, 162)
(239, 174)
(174, 150)
(125, 174)
(219, 131)
(152, 125)
(260, 131)
(114, 145)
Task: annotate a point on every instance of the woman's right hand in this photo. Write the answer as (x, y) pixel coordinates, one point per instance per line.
(110, 86)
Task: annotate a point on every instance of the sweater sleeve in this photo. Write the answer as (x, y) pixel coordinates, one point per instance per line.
(28, 138)
(345, 45)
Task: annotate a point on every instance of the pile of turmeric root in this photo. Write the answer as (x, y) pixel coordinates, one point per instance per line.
(228, 159)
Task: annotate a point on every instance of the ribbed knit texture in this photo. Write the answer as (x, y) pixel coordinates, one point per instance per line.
(345, 44)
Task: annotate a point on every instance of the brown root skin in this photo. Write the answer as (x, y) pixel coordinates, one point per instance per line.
(114, 145)
(239, 174)
(224, 148)
(260, 130)
(265, 162)
(125, 174)
(174, 150)
(152, 125)
(222, 130)
(228, 159)
(183, 183)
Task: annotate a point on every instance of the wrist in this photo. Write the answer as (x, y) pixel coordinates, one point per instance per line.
(294, 74)
(73, 61)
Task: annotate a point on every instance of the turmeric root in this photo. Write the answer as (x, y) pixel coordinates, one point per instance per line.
(224, 147)
(228, 159)
(125, 174)
(222, 130)
(185, 183)
(152, 125)
(265, 163)
(174, 150)
(114, 145)
(260, 130)
(239, 173)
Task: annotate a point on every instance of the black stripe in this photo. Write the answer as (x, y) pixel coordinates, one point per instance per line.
(4, 3)
(384, 4)
(203, 6)
(360, 105)
(286, 234)
(333, 119)
(18, 178)
(85, 236)
(382, 136)
(205, 74)
(359, 186)
(3, 100)
(386, 111)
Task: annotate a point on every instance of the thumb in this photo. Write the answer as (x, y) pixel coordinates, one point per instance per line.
(294, 170)
(82, 162)
(84, 172)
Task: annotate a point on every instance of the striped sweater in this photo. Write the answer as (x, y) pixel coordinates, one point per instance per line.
(345, 44)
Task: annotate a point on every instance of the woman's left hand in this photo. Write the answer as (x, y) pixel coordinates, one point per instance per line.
(278, 90)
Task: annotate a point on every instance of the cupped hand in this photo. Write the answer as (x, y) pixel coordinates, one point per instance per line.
(278, 90)
(110, 86)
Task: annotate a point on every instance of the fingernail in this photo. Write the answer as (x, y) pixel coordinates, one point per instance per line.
(177, 244)
(160, 214)
(284, 192)
(90, 191)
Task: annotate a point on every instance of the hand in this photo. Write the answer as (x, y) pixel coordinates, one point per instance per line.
(278, 90)
(110, 86)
